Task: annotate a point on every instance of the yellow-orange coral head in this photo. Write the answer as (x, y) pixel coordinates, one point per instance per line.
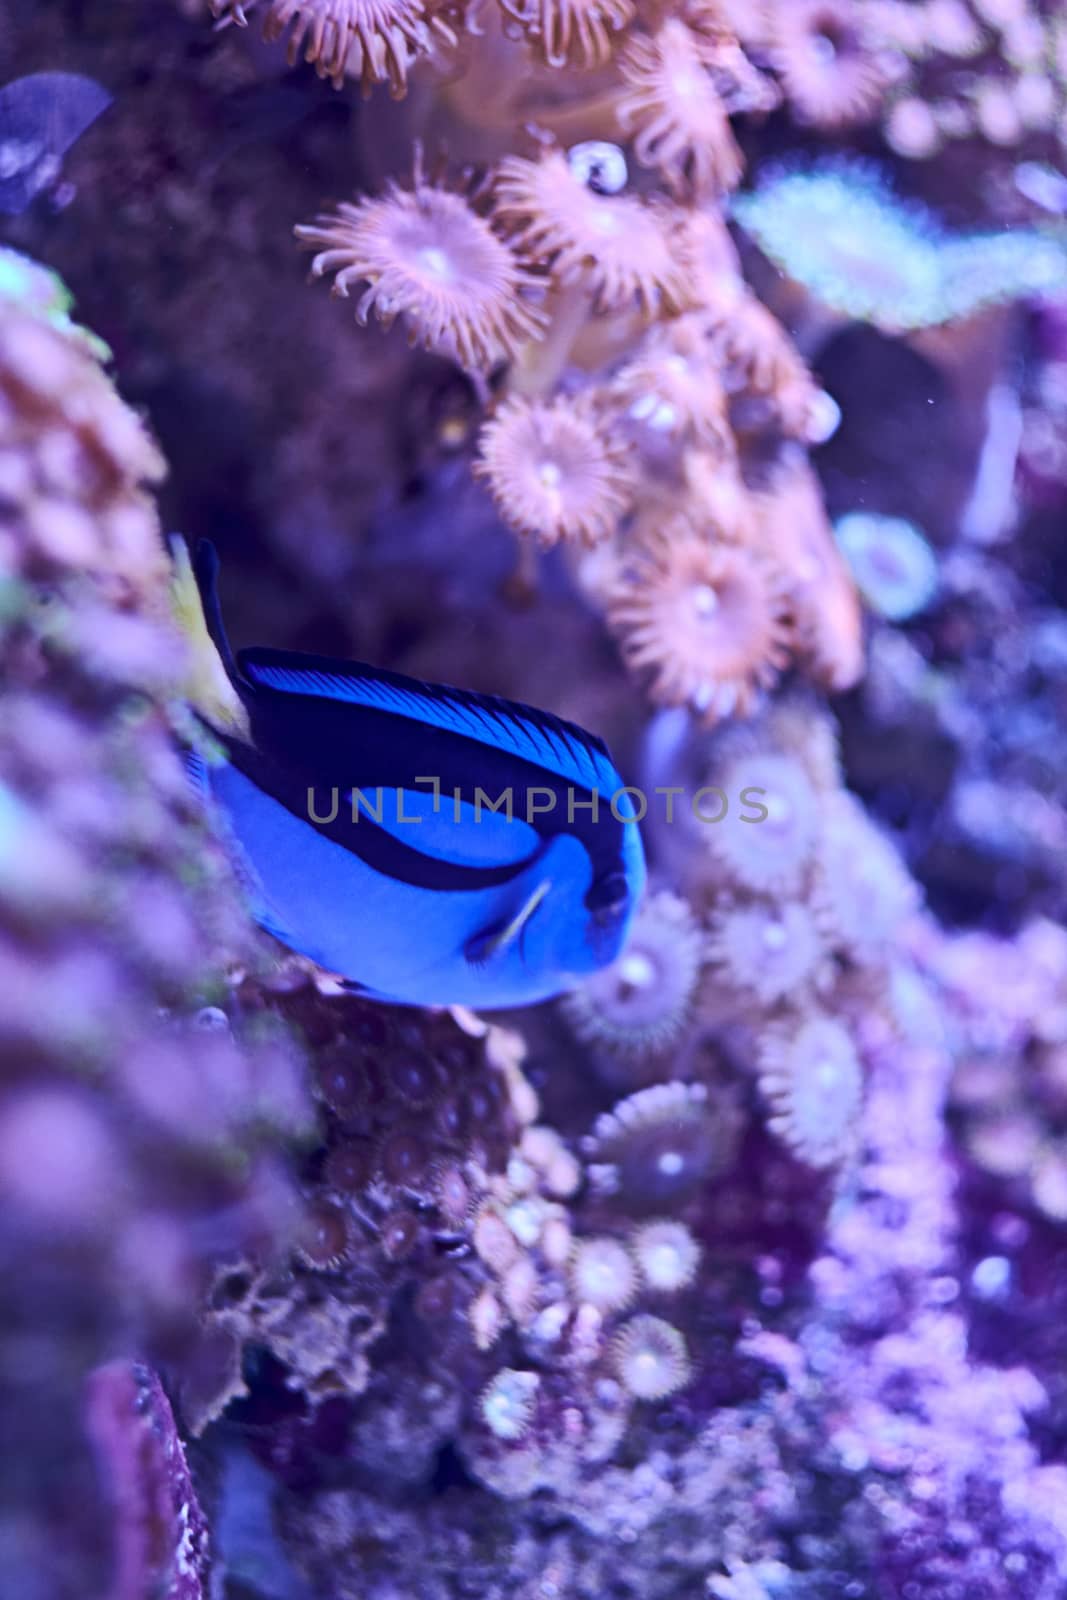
(554, 470)
(427, 257)
(832, 75)
(621, 249)
(570, 32)
(672, 108)
(709, 621)
(373, 40)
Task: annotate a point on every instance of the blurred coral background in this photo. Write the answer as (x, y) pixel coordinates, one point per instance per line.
(694, 371)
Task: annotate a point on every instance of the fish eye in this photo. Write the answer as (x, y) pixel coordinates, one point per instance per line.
(608, 894)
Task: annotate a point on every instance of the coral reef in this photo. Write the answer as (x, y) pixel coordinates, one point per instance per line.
(942, 77)
(703, 381)
(645, 369)
(138, 1138)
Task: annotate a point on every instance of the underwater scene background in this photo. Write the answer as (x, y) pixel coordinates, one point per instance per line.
(695, 372)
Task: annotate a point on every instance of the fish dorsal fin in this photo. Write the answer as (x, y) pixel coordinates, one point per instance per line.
(536, 736)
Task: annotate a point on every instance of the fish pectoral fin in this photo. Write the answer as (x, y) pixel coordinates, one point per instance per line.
(482, 947)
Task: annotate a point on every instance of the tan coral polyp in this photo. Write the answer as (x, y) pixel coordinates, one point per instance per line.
(570, 32)
(677, 118)
(553, 471)
(708, 621)
(426, 256)
(832, 77)
(376, 36)
(618, 247)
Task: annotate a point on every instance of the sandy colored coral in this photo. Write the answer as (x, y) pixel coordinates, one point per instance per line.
(825, 607)
(641, 1004)
(674, 114)
(650, 1358)
(810, 1072)
(709, 621)
(73, 463)
(717, 499)
(667, 1254)
(800, 727)
(603, 1274)
(768, 842)
(426, 256)
(713, 269)
(507, 1403)
(373, 40)
(618, 248)
(765, 950)
(672, 386)
(863, 891)
(554, 470)
(570, 32)
(746, 839)
(768, 383)
(831, 74)
(658, 1146)
(381, 34)
(140, 1134)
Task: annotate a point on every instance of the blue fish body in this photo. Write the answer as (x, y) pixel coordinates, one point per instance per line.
(429, 845)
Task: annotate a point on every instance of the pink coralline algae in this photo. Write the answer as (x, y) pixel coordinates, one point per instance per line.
(160, 1535)
(138, 1138)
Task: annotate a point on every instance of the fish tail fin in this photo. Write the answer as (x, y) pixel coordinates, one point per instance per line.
(211, 686)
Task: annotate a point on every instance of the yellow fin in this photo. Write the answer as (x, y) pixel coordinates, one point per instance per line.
(207, 687)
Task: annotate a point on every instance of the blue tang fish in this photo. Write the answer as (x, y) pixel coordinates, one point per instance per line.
(431, 846)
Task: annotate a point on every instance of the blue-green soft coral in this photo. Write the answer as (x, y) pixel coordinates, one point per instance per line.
(840, 231)
(894, 567)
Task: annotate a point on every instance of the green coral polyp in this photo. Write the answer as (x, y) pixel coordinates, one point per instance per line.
(840, 232)
(34, 288)
(894, 568)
